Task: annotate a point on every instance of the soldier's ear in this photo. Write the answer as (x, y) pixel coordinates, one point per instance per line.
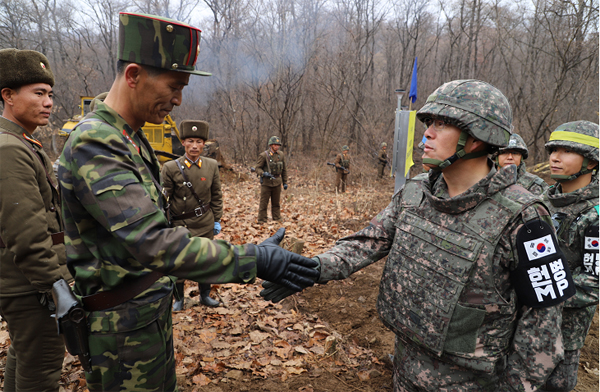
(133, 74)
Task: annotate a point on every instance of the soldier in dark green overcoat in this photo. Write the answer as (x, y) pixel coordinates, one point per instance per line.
(32, 251)
(120, 247)
(196, 200)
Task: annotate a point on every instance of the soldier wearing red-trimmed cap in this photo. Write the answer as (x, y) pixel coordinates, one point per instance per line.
(120, 246)
(32, 251)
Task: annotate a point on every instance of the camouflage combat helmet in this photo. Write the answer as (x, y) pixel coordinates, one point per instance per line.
(195, 129)
(159, 42)
(384, 144)
(274, 140)
(345, 148)
(21, 67)
(477, 109)
(516, 143)
(580, 137)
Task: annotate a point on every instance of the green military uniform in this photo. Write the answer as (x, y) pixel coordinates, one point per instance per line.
(273, 163)
(529, 181)
(342, 168)
(575, 216)
(32, 252)
(382, 161)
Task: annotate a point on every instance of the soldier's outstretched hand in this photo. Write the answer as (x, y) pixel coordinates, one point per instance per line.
(283, 267)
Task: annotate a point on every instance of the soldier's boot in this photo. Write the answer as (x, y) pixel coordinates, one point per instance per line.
(205, 298)
(178, 304)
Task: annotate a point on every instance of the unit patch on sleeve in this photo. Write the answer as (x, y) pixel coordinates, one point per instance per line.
(542, 277)
(591, 257)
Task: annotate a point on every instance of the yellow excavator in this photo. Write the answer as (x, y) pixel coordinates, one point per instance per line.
(164, 138)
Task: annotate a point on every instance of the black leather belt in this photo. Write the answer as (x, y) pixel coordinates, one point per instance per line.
(57, 238)
(198, 212)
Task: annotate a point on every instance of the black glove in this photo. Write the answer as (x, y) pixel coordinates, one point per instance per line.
(275, 292)
(281, 266)
(285, 187)
(266, 174)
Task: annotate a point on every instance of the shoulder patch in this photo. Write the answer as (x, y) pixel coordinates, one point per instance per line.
(591, 257)
(542, 277)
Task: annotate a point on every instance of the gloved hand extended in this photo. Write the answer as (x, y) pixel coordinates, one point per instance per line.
(275, 292)
(290, 270)
(217, 228)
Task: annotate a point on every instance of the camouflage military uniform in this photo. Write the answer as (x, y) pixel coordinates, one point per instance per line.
(381, 163)
(529, 181)
(32, 252)
(341, 161)
(489, 341)
(275, 164)
(105, 168)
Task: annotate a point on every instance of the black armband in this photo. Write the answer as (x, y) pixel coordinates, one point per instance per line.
(591, 257)
(542, 277)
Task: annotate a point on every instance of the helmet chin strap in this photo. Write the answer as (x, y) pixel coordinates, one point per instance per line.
(436, 164)
(584, 170)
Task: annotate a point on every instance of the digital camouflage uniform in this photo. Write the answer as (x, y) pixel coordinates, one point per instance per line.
(382, 161)
(575, 216)
(275, 164)
(32, 252)
(529, 181)
(342, 168)
(463, 286)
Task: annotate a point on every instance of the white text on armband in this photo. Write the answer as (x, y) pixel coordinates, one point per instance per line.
(591, 262)
(541, 279)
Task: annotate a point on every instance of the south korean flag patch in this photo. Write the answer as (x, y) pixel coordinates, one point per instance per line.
(591, 257)
(542, 278)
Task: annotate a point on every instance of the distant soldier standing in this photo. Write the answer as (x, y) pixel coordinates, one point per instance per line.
(193, 186)
(271, 168)
(121, 249)
(573, 203)
(32, 251)
(342, 168)
(515, 153)
(382, 160)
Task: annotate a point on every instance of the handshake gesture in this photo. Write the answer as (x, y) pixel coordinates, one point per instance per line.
(285, 272)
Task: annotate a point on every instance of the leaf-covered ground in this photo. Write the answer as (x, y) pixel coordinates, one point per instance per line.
(327, 338)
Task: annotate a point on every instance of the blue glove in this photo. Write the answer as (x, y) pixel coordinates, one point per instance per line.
(266, 174)
(217, 228)
(285, 187)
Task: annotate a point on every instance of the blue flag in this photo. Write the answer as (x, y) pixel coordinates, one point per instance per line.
(412, 95)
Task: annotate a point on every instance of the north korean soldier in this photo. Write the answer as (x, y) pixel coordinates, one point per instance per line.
(342, 168)
(515, 153)
(193, 186)
(382, 161)
(474, 277)
(32, 251)
(120, 246)
(573, 202)
(271, 168)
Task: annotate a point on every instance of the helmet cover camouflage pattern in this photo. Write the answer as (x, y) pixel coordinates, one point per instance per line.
(345, 148)
(21, 67)
(579, 136)
(384, 144)
(195, 129)
(159, 42)
(274, 140)
(473, 106)
(516, 143)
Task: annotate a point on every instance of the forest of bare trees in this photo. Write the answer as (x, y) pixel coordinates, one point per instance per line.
(322, 73)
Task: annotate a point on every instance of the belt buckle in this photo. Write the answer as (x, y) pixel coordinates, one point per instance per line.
(196, 211)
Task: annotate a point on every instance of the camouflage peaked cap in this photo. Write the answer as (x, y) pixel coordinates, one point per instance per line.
(159, 42)
(21, 67)
(193, 128)
(345, 148)
(473, 106)
(516, 143)
(579, 136)
(274, 140)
